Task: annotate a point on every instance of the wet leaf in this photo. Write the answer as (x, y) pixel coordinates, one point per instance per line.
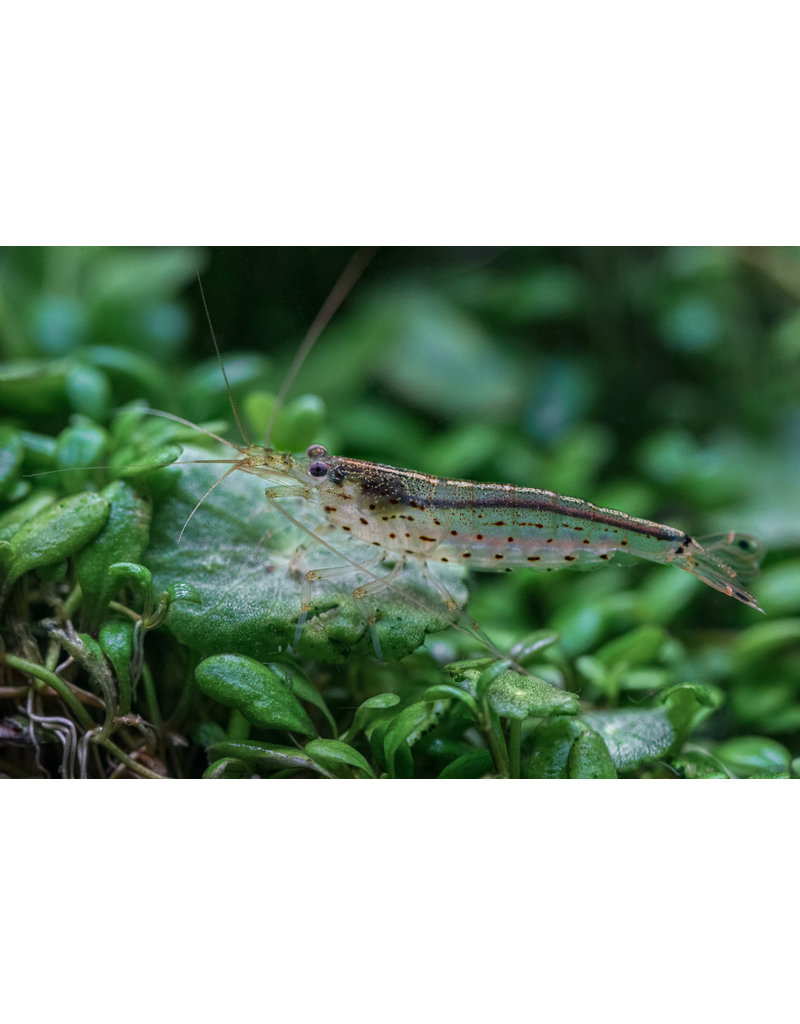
(409, 722)
(16, 517)
(116, 640)
(474, 765)
(55, 533)
(181, 591)
(511, 694)
(369, 711)
(747, 755)
(516, 696)
(80, 448)
(589, 758)
(688, 704)
(260, 754)
(123, 539)
(632, 736)
(258, 691)
(333, 755)
(552, 744)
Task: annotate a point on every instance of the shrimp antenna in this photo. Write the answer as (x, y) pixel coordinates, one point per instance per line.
(194, 426)
(231, 398)
(213, 487)
(355, 268)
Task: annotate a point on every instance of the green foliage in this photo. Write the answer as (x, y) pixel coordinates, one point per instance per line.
(661, 382)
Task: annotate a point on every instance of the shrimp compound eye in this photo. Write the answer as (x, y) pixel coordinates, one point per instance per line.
(316, 451)
(318, 469)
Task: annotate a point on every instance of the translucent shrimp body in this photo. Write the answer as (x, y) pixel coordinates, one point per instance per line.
(497, 527)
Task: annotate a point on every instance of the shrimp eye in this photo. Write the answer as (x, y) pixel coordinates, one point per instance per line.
(318, 469)
(316, 451)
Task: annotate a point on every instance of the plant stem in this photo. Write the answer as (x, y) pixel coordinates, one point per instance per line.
(124, 610)
(514, 747)
(72, 602)
(496, 740)
(128, 761)
(153, 711)
(52, 680)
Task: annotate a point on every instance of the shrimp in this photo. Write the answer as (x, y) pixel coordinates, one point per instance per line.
(493, 527)
(416, 519)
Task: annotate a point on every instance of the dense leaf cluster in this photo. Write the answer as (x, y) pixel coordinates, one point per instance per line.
(661, 382)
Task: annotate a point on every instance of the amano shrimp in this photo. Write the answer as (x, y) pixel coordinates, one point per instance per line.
(414, 518)
(493, 527)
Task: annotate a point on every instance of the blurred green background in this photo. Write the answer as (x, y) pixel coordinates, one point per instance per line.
(664, 382)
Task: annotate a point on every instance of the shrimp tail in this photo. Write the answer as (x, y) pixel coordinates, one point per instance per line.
(722, 560)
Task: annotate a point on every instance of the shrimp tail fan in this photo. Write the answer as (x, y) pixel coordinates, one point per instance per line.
(723, 560)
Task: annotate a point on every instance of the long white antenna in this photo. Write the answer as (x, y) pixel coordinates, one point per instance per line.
(194, 426)
(351, 273)
(216, 484)
(231, 398)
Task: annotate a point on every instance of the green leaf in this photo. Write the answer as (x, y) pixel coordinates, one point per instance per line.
(632, 736)
(299, 423)
(259, 692)
(33, 388)
(638, 647)
(589, 758)
(444, 691)
(89, 390)
(765, 638)
(16, 517)
(10, 458)
(524, 652)
(406, 725)
(242, 558)
(747, 755)
(332, 754)
(206, 733)
(698, 764)
(180, 591)
(116, 640)
(305, 690)
(132, 464)
(120, 574)
(80, 449)
(552, 742)
(123, 539)
(516, 696)
(228, 768)
(779, 588)
(262, 755)
(511, 694)
(139, 276)
(370, 710)
(688, 704)
(474, 765)
(56, 532)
